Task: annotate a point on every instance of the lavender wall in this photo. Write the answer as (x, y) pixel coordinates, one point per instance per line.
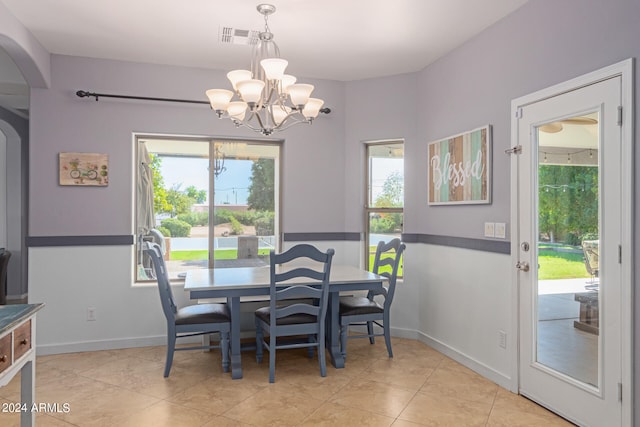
(61, 122)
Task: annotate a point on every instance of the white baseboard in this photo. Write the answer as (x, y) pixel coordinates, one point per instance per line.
(482, 369)
(77, 347)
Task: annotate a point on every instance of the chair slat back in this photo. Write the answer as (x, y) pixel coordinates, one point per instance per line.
(164, 285)
(388, 254)
(299, 282)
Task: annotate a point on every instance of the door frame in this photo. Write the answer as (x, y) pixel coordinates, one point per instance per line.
(625, 70)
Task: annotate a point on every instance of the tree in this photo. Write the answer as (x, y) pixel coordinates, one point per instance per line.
(392, 195)
(567, 201)
(261, 190)
(179, 201)
(160, 203)
(198, 196)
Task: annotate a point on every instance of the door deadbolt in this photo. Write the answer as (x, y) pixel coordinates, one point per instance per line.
(525, 246)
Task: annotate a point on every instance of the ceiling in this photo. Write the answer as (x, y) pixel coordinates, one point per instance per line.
(329, 39)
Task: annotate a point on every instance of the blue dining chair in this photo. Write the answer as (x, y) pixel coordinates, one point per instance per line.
(308, 286)
(359, 310)
(189, 321)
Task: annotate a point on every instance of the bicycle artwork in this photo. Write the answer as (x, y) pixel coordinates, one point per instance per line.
(84, 169)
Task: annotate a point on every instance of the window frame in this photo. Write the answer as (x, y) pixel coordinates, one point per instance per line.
(211, 141)
(368, 209)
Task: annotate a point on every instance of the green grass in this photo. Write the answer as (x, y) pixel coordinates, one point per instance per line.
(561, 265)
(203, 254)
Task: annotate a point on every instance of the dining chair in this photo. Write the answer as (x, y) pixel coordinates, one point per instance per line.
(308, 286)
(4, 265)
(360, 310)
(189, 321)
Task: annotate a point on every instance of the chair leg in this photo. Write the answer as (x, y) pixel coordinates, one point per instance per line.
(224, 346)
(310, 340)
(272, 359)
(372, 339)
(387, 333)
(322, 356)
(171, 345)
(259, 340)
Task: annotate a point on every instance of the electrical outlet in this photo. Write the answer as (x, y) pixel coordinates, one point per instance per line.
(489, 229)
(502, 339)
(91, 313)
(501, 230)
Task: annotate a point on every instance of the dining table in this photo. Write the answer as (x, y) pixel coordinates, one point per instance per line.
(236, 283)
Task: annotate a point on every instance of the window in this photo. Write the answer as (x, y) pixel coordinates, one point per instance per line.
(385, 195)
(215, 203)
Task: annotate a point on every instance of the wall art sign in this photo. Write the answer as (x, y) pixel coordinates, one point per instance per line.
(84, 169)
(459, 168)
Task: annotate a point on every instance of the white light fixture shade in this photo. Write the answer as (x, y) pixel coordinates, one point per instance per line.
(312, 108)
(251, 90)
(300, 93)
(219, 98)
(287, 80)
(274, 68)
(237, 110)
(236, 76)
(279, 113)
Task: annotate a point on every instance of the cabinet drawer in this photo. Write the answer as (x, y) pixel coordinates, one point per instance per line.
(5, 352)
(21, 339)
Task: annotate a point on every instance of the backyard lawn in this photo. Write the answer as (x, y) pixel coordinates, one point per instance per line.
(555, 264)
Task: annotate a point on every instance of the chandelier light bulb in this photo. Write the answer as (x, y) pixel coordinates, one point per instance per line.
(250, 90)
(237, 110)
(236, 76)
(274, 68)
(219, 98)
(287, 80)
(280, 113)
(300, 93)
(312, 108)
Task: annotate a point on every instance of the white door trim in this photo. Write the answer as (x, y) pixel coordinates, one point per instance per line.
(624, 69)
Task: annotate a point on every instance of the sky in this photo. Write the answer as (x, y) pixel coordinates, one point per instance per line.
(232, 185)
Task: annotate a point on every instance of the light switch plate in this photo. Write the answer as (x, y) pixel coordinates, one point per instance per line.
(489, 229)
(501, 230)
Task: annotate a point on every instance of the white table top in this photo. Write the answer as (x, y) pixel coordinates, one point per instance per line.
(257, 277)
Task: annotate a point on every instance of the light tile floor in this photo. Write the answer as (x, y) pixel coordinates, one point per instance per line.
(419, 386)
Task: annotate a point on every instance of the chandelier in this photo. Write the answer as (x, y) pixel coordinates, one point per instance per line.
(267, 99)
(218, 161)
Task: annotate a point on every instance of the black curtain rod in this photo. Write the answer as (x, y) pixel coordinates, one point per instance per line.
(97, 96)
(85, 94)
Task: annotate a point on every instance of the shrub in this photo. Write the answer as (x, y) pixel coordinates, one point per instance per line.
(382, 225)
(572, 239)
(590, 236)
(176, 227)
(195, 219)
(164, 230)
(264, 223)
(222, 216)
(236, 227)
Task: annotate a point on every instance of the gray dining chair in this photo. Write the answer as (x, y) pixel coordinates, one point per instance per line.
(308, 286)
(189, 321)
(359, 310)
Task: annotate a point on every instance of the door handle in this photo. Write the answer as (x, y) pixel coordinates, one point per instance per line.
(522, 266)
